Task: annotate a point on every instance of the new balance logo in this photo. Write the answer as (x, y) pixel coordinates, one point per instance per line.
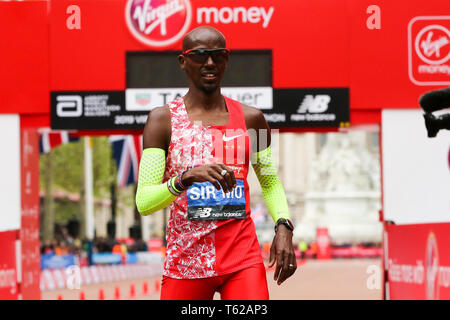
(204, 212)
(314, 104)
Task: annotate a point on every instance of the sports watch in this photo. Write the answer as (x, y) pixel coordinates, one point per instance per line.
(287, 223)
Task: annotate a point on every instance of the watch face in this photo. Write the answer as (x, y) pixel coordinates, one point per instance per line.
(289, 223)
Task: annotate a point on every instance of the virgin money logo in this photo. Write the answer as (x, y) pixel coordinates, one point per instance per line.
(429, 50)
(158, 23)
(432, 268)
(433, 44)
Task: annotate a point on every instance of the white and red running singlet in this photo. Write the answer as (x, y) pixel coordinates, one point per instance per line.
(209, 232)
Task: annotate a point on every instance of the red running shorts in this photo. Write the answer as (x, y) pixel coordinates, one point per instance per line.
(245, 284)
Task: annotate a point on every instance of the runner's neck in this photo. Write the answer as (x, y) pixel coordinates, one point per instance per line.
(195, 99)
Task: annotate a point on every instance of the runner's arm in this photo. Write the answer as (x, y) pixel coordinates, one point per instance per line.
(271, 187)
(282, 249)
(262, 162)
(151, 194)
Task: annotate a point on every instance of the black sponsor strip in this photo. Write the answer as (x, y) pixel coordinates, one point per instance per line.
(293, 108)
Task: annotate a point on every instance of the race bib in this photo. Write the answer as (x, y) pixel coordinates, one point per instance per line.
(205, 202)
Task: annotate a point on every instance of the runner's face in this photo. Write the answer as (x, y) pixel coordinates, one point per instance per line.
(205, 76)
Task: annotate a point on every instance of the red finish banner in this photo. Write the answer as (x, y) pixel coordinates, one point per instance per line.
(8, 269)
(29, 232)
(418, 261)
(386, 55)
(323, 244)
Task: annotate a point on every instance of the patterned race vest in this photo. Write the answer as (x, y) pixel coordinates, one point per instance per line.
(209, 232)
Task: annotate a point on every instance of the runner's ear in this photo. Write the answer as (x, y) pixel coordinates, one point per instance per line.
(181, 60)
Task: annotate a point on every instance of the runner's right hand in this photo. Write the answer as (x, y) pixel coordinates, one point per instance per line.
(211, 173)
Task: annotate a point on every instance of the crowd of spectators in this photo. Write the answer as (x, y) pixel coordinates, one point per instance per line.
(69, 245)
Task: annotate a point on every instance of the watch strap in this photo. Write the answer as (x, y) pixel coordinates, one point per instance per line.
(288, 223)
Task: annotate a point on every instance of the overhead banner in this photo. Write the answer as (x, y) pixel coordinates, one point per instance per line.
(418, 261)
(315, 107)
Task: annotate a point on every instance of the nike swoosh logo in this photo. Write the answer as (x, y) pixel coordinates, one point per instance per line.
(225, 138)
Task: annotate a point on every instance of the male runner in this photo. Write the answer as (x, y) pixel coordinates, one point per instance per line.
(200, 145)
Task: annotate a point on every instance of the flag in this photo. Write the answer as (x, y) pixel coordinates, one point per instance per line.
(127, 151)
(51, 139)
(258, 215)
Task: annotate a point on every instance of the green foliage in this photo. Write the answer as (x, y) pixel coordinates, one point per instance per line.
(68, 162)
(66, 210)
(104, 167)
(68, 172)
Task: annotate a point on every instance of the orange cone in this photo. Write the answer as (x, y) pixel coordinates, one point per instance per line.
(60, 297)
(82, 296)
(145, 288)
(132, 291)
(116, 293)
(101, 294)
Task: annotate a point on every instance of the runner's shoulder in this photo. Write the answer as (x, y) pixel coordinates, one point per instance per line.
(254, 118)
(157, 129)
(159, 115)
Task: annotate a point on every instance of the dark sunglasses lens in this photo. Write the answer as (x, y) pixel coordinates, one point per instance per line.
(201, 56)
(219, 55)
(198, 55)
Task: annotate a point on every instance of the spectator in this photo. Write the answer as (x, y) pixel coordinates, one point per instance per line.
(141, 245)
(302, 247)
(313, 247)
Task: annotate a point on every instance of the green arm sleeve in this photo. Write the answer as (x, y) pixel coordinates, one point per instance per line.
(151, 194)
(271, 187)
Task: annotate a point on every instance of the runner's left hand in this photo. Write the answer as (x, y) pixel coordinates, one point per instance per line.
(282, 252)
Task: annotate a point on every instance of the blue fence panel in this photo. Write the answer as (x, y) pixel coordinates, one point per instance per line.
(132, 258)
(106, 258)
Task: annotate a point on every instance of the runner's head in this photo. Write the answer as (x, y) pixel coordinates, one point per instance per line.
(204, 58)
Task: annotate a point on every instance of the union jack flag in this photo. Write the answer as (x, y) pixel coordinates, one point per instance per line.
(258, 215)
(51, 139)
(127, 150)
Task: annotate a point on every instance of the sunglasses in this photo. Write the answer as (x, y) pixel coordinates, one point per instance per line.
(201, 55)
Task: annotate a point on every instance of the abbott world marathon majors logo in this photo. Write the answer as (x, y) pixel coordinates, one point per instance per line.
(429, 50)
(158, 23)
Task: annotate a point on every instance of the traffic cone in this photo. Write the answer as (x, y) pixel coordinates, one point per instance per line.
(101, 294)
(116, 293)
(60, 297)
(82, 296)
(132, 291)
(145, 289)
(157, 286)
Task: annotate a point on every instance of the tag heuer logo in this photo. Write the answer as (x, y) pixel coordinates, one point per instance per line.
(142, 99)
